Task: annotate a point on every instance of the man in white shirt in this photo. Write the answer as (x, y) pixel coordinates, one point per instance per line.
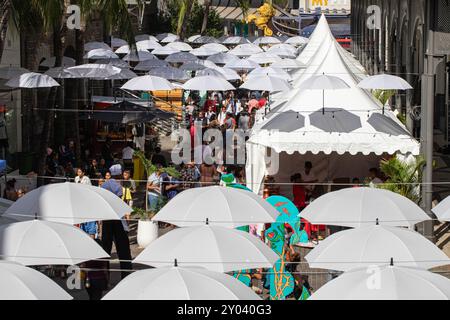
(127, 157)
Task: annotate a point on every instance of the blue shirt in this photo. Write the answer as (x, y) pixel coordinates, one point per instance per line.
(113, 186)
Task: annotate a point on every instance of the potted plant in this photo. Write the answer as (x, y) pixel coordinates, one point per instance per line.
(148, 229)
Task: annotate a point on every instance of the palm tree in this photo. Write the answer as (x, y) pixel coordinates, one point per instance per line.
(5, 10)
(185, 11)
(205, 16)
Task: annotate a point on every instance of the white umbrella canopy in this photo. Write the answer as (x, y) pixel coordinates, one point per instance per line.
(266, 40)
(283, 47)
(215, 46)
(289, 64)
(222, 58)
(35, 243)
(384, 82)
(170, 38)
(214, 248)
(192, 66)
(118, 42)
(12, 72)
(180, 284)
(96, 45)
(245, 50)
(264, 58)
(374, 245)
(270, 71)
(386, 283)
(59, 73)
(181, 57)
(93, 71)
(99, 54)
(147, 45)
(210, 72)
(148, 83)
(208, 83)
(233, 208)
(150, 64)
(51, 62)
(169, 73)
(69, 203)
(23, 283)
(266, 83)
(192, 38)
(229, 74)
(205, 40)
(242, 64)
(141, 55)
(32, 80)
(235, 40)
(357, 207)
(204, 52)
(182, 46)
(143, 37)
(282, 52)
(324, 82)
(165, 51)
(442, 210)
(296, 41)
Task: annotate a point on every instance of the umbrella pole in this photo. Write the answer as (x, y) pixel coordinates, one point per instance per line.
(323, 102)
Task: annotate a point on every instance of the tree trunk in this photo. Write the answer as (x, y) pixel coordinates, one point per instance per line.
(4, 20)
(185, 20)
(80, 93)
(205, 16)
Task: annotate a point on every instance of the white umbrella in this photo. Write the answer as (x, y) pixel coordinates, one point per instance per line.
(139, 56)
(222, 58)
(356, 207)
(124, 74)
(270, 71)
(69, 203)
(12, 72)
(324, 82)
(32, 80)
(123, 50)
(59, 73)
(205, 39)
(178, 45)
(93, 71)
(228, 73)
(211, 72)
(384, 82)
(235, 40)
(181, 57)
(36, 242)
(442, 210)
(165, 51)
(232, 208)
(169, 73)
(283, 47)
(208, 83)
(99, 54)
(245, 50)
(96, 45)
(215, 46)
(266, 83)
(192, 38)
(147, 45)
(143, 37)
(214, 248)
(149, 64)
(51, 62)
(203, 52)
(264, 58)
(282, 52)
(288, 64)
(374, 245)
(170, 38)
(266, 40)
(117, 42)
(148, 83)
(23, 283)
(386, 283)
(180, 284)
(242, 64)
(297, 40)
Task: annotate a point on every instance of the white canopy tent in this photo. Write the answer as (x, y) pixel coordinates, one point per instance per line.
(352, 130)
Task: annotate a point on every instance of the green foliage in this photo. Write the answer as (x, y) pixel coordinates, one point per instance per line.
(403, 178)
(383, 95)
(244, 5)
(194, 19)
(150, 168)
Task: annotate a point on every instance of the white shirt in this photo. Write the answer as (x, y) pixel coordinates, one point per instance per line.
(84, 180)
(127, 153)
